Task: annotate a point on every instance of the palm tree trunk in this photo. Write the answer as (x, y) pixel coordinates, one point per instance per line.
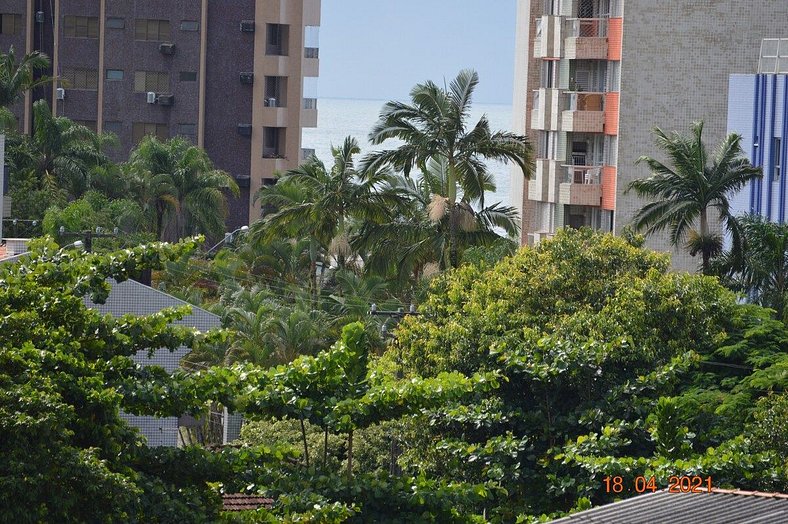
(704, 235)
(452, 196)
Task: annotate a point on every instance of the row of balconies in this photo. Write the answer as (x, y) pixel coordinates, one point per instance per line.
(575, 38)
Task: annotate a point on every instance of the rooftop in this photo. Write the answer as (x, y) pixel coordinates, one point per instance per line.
(243, 502)
(720, 506)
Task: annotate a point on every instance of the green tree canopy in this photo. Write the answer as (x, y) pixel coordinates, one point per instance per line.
(612, 362)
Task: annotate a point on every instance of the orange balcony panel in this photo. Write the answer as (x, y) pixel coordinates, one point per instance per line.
(615, 34)
(609, 176)
(611, 113)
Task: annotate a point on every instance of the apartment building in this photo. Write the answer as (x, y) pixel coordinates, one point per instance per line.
(238, 78)
(758, 111)
(593, 78)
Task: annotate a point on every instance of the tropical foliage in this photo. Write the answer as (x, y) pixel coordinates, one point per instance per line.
(690, 192)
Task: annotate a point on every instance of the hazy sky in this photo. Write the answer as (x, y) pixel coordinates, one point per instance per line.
(378, 49)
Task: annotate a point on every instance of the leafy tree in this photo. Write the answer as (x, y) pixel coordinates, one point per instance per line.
(18, 77)
(178, 183)
(686, 192)
(612, 366)
(434, 127)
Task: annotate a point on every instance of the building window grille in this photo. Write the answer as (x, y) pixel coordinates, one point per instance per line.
(156, 30)
(78, 78)
(142, 129)
(81, 26)
(147, 81)
(10, 24)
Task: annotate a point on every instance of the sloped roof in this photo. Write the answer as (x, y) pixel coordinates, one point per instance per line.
(242, 502)
(718, 507)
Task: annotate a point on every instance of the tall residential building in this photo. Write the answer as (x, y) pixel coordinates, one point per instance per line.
(238, 77)
(593, 78)
(758, 111)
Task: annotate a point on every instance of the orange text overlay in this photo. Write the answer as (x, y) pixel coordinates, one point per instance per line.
(676, 484)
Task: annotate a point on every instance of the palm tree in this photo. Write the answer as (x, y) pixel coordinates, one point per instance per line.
(419, 238)
(320, 204)
(16, 78)
(180, 184)
(684, 193)
(434, 126)
(60, 153)
(760, 269)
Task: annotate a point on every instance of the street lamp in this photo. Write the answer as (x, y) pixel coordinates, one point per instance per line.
(228, 237)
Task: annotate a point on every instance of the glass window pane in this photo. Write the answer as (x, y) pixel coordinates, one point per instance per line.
(139, 81)
(164, 30)
(116, 23)
(140, 29)
(69, 25)
(189, 25)
(114, 74)
(188, 76)
(93, 28)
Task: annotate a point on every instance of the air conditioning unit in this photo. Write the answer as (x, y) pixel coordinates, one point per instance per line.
(151, 97)
(245, 129)
(166, 100)
(247, 26)
(270, 102)
(40, 17)
(167, 48)
(60, 93)
(247, 78)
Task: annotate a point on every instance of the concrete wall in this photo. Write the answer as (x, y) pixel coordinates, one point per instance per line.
(677, 56)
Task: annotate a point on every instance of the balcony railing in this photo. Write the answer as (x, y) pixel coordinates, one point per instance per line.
(579, 101)
(310, 103)
(586, 27)
(583, 174)
(311, 52)
(307, 153)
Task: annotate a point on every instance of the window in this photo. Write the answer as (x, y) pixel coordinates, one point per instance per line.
(188, 76)
(158, 30)
(145, 81)
(776, 158)
(78, 78)
(277, 39)
(311, 52)
(114, 74)
(113, 126)
(187, 129)
(141, 129)
(10, 24)
(274, 142)
(116, 23)
(548, 73)
(81, 26)
(90, 124)
(190, 25)
(276, 91)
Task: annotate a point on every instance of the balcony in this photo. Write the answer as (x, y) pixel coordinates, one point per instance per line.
(586, 38)
(584, 113)
(582, 186)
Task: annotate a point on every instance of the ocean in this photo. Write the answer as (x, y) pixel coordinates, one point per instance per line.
(339, 118)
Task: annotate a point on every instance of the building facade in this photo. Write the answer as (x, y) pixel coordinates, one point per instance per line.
(757, 110)
(238, 78)
(593, 78)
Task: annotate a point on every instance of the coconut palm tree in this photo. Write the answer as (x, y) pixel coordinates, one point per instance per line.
(418, 241)
(180, 184)
(685, 191)
(18, 77)
(435, 126)
(321, 204)
(60, 152)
